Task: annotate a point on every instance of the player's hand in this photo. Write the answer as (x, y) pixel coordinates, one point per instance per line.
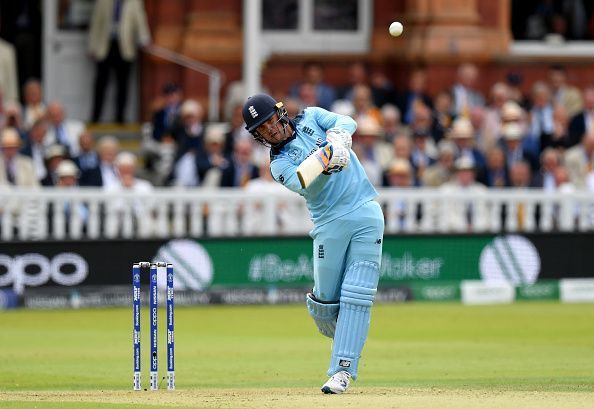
(324, 154)
(339, 136)
(339, 160)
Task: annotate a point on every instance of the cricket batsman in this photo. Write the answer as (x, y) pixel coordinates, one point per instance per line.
(348, 222)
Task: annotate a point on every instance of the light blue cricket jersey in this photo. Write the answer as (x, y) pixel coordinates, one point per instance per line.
(329, 196)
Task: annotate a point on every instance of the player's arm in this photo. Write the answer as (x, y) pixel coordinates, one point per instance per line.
(328, 120)
(285, 172)
(339, 128)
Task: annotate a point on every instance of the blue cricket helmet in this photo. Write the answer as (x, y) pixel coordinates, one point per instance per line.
(260, 108)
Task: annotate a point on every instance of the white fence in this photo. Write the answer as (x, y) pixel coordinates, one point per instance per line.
(47, 214)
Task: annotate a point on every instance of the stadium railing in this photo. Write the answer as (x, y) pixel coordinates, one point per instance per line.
(86, 213)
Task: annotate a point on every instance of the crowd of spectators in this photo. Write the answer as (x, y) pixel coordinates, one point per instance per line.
(543, 139)
(405, 137)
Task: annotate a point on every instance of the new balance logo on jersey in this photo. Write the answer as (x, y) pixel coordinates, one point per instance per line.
(308, 130)
(253, 112)
(321, 252)
(344, 363)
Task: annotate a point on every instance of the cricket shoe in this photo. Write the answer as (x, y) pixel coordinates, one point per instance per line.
(338, 383)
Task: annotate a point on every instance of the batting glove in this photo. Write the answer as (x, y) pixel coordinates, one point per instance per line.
(339, 160)
(339, 136)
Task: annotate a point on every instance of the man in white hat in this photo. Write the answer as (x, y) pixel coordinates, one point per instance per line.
(462, 134)
(15, 169)
(373, 152)
(67, 174)
(75, 215)
(54, 155)
(512, 144)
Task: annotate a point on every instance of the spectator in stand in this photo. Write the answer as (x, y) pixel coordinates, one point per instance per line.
(562, 182)
(464, 93)
(423, 154)
(560, 136)
(402, 147)
(15, 169)
(67, 174)
(414, 95)
(513, 147)
(125, 164)
(62, 130)
(583, 121)
(371, 149)
(520, 175)
(511, 112)
(241, 169)
(550, 161)
(462, 134)
(35, 146)
(564, 94)
(9, 81)
(443, 170)
(33, 106)
(382, 89)
(579, 161)
(165, 117)
(363, 104)
(116, 30)
(14, 118)
(423, 121)
(563, 186)
(392, 122)
(477, 120)
(54, 155)
(185, 171)
(307, 96)
(237, 131)
(493, 113)
(466, 213)
(542, 124)
(88, 158)
(400, 175)
(158, 145)
(214, 160)
(357, 76)
(313, 74)
(496, 174)
(105, 174)
(189, 133)
(514, 81)
(442, 116)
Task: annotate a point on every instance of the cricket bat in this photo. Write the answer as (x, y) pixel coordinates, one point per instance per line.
(309, 170)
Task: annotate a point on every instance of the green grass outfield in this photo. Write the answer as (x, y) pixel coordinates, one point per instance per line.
(419, 355)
